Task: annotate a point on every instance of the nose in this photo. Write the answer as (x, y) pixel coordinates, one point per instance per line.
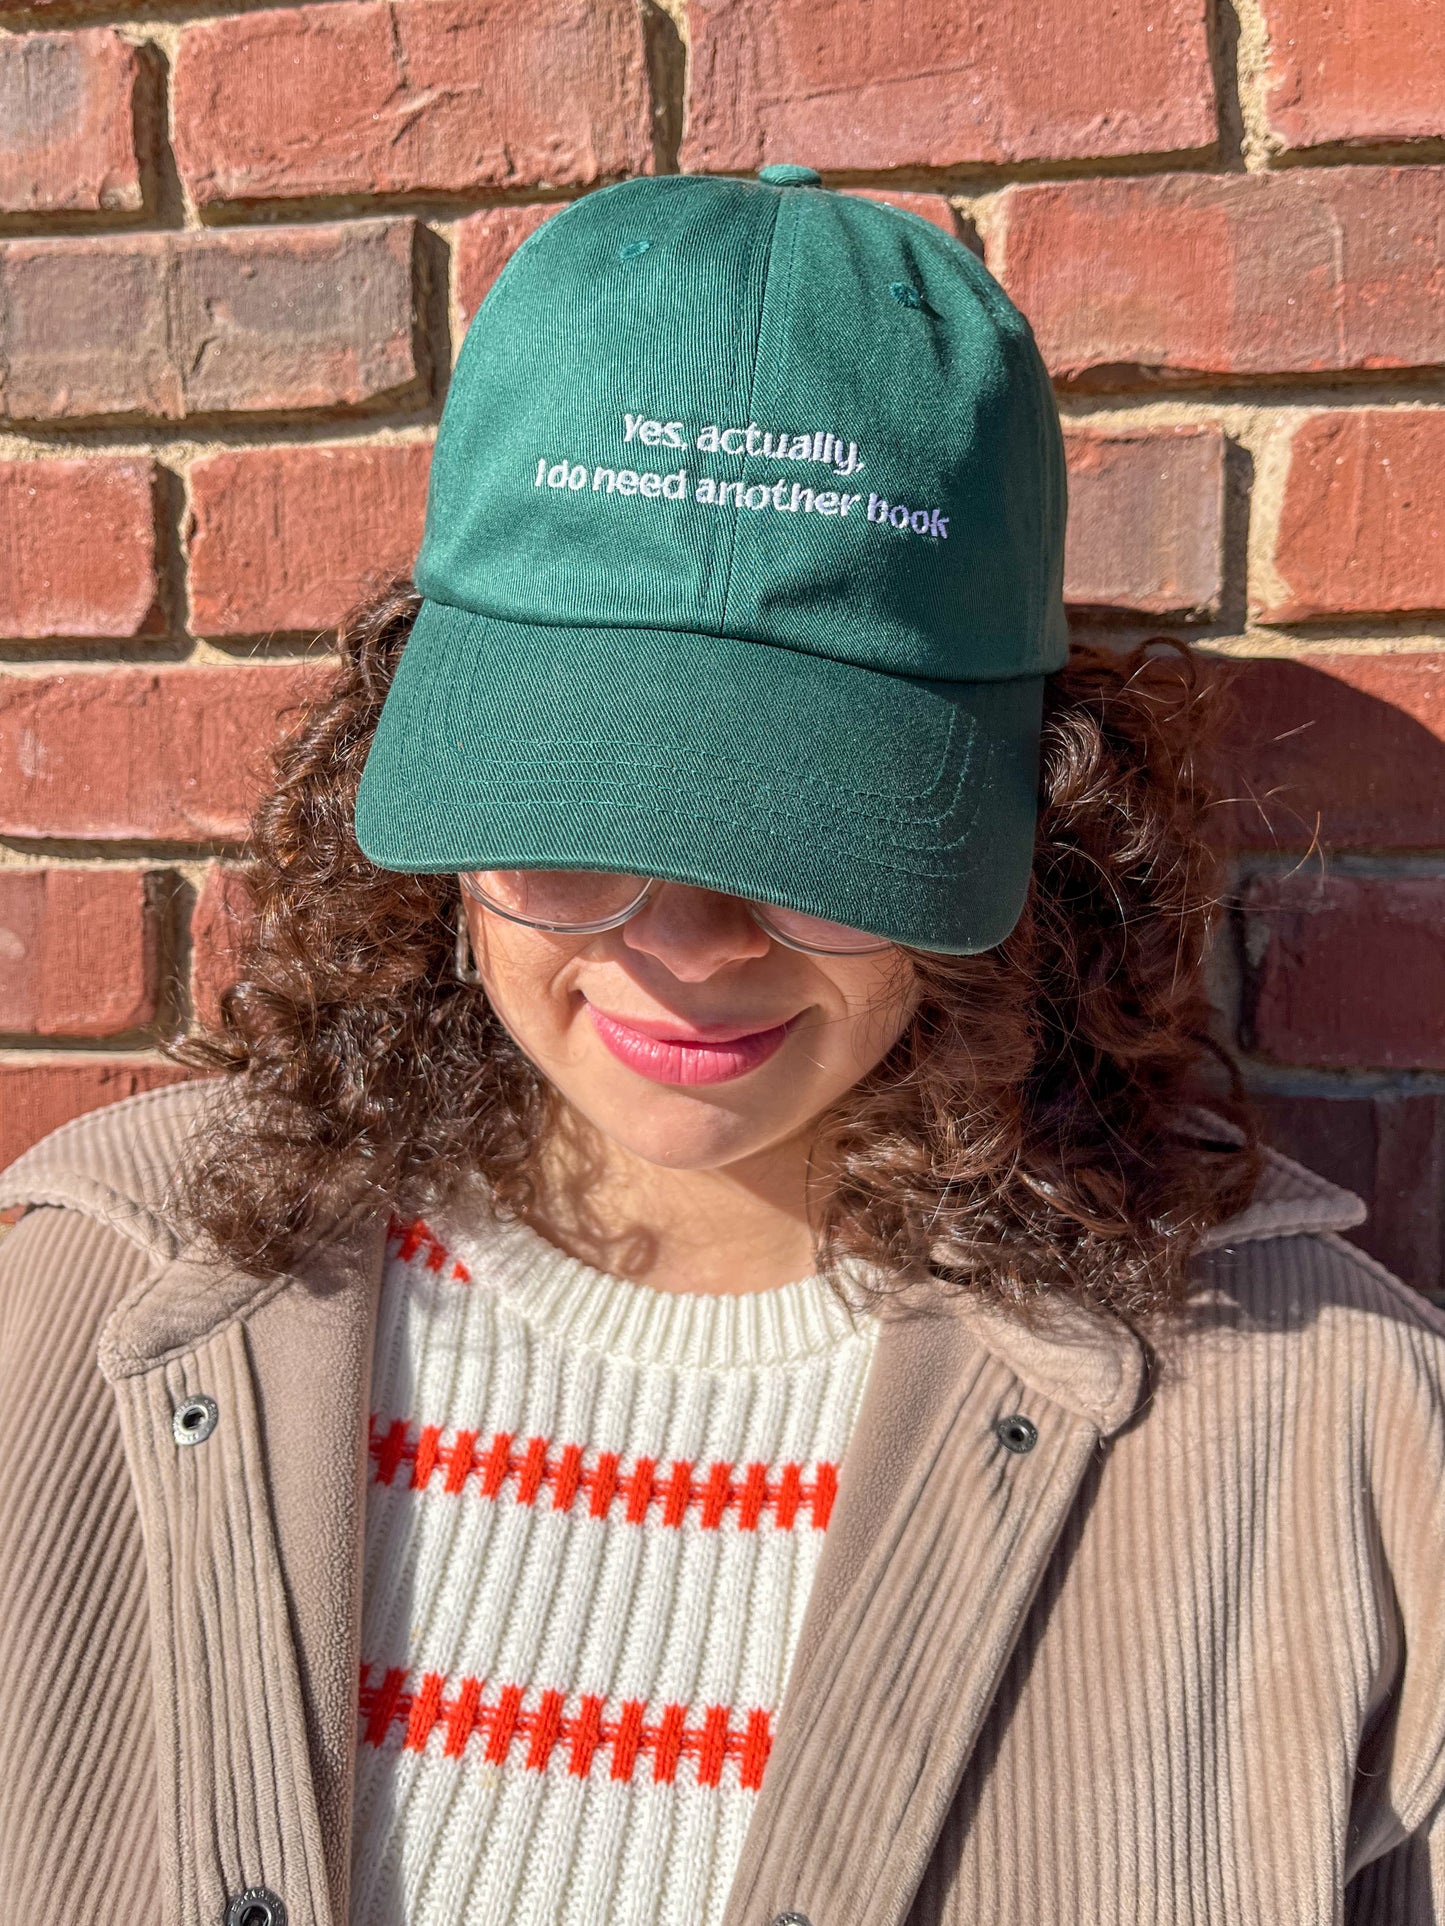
(694, 933)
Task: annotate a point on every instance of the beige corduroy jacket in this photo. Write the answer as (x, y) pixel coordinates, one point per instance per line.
(1182, 1660)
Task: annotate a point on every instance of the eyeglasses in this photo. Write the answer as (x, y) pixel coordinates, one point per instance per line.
(583, 902)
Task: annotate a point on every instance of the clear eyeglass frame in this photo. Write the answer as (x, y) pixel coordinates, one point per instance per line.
(763, 914)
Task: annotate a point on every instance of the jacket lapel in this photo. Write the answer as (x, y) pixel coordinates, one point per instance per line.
(254, 1539)
(938, 1542)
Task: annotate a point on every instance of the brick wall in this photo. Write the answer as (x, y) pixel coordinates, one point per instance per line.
(237, 254)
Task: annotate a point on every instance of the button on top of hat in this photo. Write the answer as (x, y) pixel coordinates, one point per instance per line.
(784, 174)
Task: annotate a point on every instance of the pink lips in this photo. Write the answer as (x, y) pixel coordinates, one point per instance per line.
(665, 1057)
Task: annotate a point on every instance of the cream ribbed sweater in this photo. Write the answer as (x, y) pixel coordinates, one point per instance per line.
(594, 1515)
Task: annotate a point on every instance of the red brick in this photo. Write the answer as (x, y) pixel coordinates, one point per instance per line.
(38, 1095)
(1146, 520)
(1390, 1150)
(1349, 748)
(853, 84)
(67, 123)
(289, 538)
(170, 754)
(1347, 972)
(1362, 528)
(173, 325)
(928, 207)
(79, 549)
(416, 96)
(78, 952)
(485, 243)
(1176, 276)
(220, 925)
(1353, 70)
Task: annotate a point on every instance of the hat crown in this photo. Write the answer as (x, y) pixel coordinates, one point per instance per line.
(730, 408)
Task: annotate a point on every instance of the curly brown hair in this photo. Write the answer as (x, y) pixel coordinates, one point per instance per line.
(1036, 1128)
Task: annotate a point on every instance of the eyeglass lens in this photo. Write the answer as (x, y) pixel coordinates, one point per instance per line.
(578, 899)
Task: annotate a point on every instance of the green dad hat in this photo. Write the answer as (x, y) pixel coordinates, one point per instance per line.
(742, 566)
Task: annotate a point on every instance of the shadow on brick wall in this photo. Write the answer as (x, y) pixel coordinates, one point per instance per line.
(1335, 770)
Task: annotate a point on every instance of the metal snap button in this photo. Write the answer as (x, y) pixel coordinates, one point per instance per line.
(792, 1919)
(193, 1421)
(257, 1906)
(1017, 1433)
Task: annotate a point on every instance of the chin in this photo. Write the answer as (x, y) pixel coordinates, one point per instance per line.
(693, 1150)
(687, 1134)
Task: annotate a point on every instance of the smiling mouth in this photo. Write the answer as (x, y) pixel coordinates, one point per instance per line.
(700, 1058)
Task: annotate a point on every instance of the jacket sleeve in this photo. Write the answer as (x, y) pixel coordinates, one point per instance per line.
(1407, 1886)
(1397, 1822)
(77, 1752)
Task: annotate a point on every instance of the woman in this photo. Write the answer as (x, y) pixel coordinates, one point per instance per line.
(723, 1284)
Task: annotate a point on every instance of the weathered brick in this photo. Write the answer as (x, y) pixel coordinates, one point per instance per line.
(1390, 1150)
(220, 924)
(79, 549)
(415, 96)
(1352, 70)
(173, 325)
(929, 207)
(1146, 520)
(169, 754)
(1171, 277)
(1346, 748)
(485, 243)
(1362, 527)
(67, 123)
(37, 1095)
(1346, 972)
(289, 538)
(78, 952)
(852, 84)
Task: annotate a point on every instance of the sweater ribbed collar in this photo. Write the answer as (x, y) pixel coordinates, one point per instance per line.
(689, 1330)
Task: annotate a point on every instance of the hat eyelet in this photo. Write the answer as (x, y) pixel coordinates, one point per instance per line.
(630, 250)
(905, 295)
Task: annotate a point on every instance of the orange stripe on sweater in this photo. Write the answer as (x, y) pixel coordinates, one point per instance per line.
(512, 1732)
(418, 1240)
(644, 1492)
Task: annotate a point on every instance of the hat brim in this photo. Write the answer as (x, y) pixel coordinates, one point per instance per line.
(902, 807)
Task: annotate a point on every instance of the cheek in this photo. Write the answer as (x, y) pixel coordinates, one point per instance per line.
(873, 999)
(524, 972)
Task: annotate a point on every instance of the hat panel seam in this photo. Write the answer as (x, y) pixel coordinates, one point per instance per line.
(788, 202)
